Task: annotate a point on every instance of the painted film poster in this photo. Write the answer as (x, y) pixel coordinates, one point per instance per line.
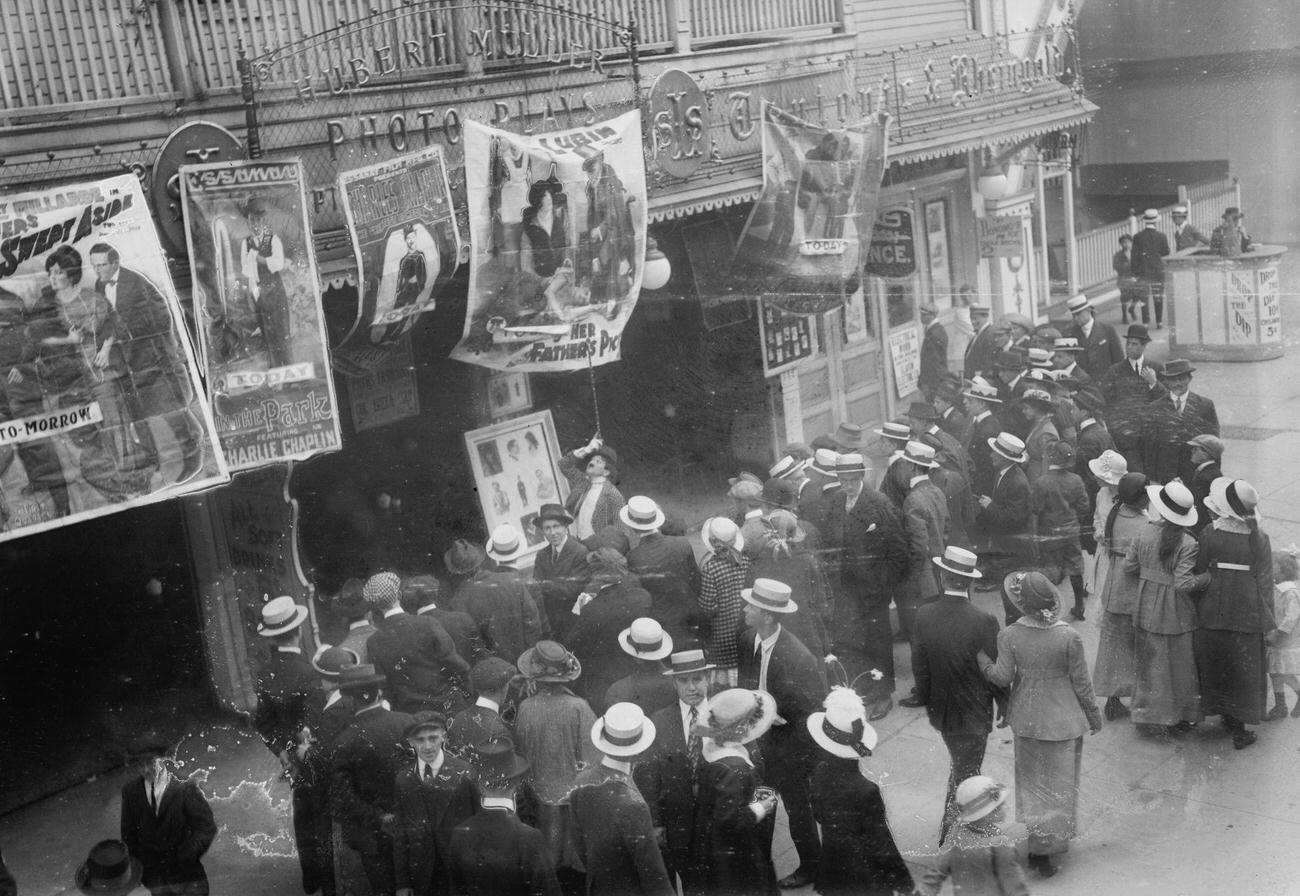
(100, 405)
(406, 242)
(257, 300)
(558, 228)
(801, 245)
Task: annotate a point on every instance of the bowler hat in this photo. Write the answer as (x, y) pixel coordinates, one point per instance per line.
(848, 435)
(109, 870)
(554, 512)
(1138, 331)
(1009, 360)
(496, 761)
(1232, 212)
(780, 493)
(463, 557)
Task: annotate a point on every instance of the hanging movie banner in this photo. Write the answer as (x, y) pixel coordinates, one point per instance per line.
(801, 248)
(558, 230)
(406, 241)
(101, 406)
(257, 302)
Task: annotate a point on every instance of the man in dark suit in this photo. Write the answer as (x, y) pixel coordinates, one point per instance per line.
(1005, 514)
(1127, 388)
(925, 513)
(328, 714)
(949, 404)
(667, 777)
(166, 823)
(1185, 235)
(143, 330)
(367, 757)
(664, 563)
(1094, 440)
(559, 569)
(435, 793)
(1148, 265)
(414, 653)
(980, 349)
(1009, 368)
(490, 680)
(1100, 344)
(1204, 457)
(772, 659)
(500, 602)
(613, 832)
(285, 690)
(946, 641)
(420, 596)
(1172, 421)
(493, 853)
(982, 398)
(934, 351)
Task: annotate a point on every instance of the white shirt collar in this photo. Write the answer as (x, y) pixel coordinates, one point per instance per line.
(712, 752)
(1202, 466)
(488, 704)
(981, 415)
(701, 712)
(770, 642)
(360, 623)
(286, 649)
(1087, 421)
(911, 483)
(951, 593)
(618, 765)
(498, 802)
(436, 765)
(159, 786)
(334, 697)
(393, 612)
(1086, 326)
(426, 608)
(751, 514)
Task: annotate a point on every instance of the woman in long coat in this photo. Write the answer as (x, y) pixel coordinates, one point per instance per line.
(1115, 672)
(859, 856)
(734, 815)
(783, 557)
(1042, 660)
(1236, 610)
(1162, 561)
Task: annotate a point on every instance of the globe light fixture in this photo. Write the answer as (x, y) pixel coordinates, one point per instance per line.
(657, 266)
(992, 183)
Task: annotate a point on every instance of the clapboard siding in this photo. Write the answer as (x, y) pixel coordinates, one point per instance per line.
(884, 24)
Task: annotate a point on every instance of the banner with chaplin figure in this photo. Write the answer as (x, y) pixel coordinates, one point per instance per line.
(258, 308)
(801, 247)
(101, 405)
(558, 230)
(404, 233)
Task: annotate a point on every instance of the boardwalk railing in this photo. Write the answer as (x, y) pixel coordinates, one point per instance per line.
(70, 53)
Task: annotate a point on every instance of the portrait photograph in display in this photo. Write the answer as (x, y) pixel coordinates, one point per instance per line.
(508, 393)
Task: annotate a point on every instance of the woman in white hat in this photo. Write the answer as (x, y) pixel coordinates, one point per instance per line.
(1236, 610)
(1165, 695)
(734, 813)
(983, 857)
(1106, 469)
(1115, 671)
(724, 571)
(859, 856)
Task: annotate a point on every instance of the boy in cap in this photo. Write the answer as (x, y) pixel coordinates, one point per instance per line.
(1204, 457)
(614, 835)
(166, 822)
(1061, 511)
(435, 793)
(490, 679)
(414, 653)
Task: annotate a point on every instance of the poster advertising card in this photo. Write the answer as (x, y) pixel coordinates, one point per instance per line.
(516, 471)
(386, 393)
(404, 234)
(905, 353)
(558, 229)
(257, 303)
(787, 339)
(801, 245)
(102, 405)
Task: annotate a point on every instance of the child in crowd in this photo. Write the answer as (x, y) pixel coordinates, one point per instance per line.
(983, 858)
(1283, 653)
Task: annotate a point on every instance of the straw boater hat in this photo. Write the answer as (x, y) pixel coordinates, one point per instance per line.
(1234, 498)
(1041, 396)
(983, 390)
(898, 432)
(1138, 332)
(1040, 358)
(109, 870)
(920, 454)
(1173, 502)
(958, 561)
(328, 661)
(1009, 361)
(824, 462)
(549, 661)
(1179, 210)
(552, 512)
(279, 616)
(1031, 592)
(977, 797)
(786, 466)
(623, 731)
(842, 729)
(738, 715)
(770, 595)
(645, 639)
(641, 514)
(1009, 446)
(1150, 216)
(1078, 303)
(688, 662)
(1066, 344)
(724, 530)
(506, 544)
(851, 465)
(1110, 467)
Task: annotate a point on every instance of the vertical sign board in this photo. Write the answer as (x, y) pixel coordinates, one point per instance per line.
(388, 392)
(905, 353)
(1270, 307)
(786, 338)
(1243, 315)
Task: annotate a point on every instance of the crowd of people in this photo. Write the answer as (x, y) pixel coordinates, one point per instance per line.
(625, 716)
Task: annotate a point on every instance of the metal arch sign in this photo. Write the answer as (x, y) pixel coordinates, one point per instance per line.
(190, 144)
(679, 138)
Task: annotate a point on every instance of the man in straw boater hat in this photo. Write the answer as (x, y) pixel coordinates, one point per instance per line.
(1127, 388)
(958, 700)
(648, 644)
(773, 660)
(1185, 234)
(822, 481)
(1100, 345)
(367, 757)
(493, 853)
(490, 681)
(1066, 351)
(668, 776)
(611, 822)
(434, 794)
(984, 854)
(858, 850)
(414, 653)
(166, 821)
(500, 603)
(1150, 247)
(109, 870)
(984, 405)
(560, 568)
(1172, 421)
(1006, 512)
(665, 564)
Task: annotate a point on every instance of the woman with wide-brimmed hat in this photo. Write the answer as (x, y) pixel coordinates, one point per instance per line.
(1115, 671)
(1163, 559)
(1236, 610)
(785, 557)
(859, 856)
(1041, 659)
(734, 813)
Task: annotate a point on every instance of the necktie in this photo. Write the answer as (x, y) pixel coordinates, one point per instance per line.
(428, 771)
(153, 798)
(693, 741)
